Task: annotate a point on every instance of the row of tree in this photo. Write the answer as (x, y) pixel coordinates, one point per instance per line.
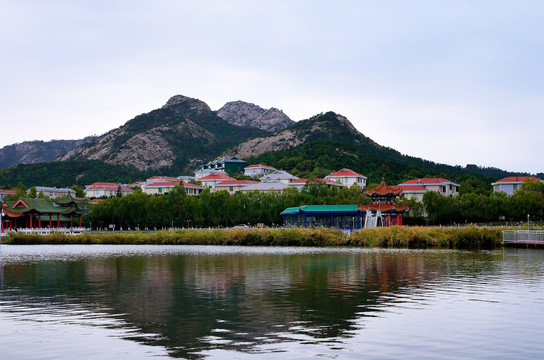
(211, 209)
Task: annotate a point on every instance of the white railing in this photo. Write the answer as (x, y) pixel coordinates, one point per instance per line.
(47, 231)
(522, 236)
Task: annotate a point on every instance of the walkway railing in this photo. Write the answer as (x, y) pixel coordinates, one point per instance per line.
(522, 237)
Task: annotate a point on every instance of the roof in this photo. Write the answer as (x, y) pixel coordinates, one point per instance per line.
(52, 189)
(304, 181)
(209, 171)
(516, 179)
(40, 205)
(106, 186)
(216, 176)
(321, 209)
(235, 182)
(345, 173)
(8, 191)
(266, 186)
(279, 175)
(411, 189)
(259, 166)
(68, 199)
(226, 160)
(160, 179)
(162, 184)
(384, 190)
(428, 181)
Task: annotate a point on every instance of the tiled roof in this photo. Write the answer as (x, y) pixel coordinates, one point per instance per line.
(161, 178)
(106, 186)
(384, 189)
(345, 173)
(8, 191)
(517, 179)
(162, 184)
(428, 181)
(216, 176)
(279, 175)
(192, 186)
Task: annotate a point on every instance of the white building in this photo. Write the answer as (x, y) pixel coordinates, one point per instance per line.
(257, 171)
(100, 189)
(280, 176)
(442, 186)
(348, 177)
(510, 184)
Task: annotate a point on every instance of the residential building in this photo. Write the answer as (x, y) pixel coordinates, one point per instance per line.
(100, 189)
(192, 189)
(442, 186)
(510, 184)
(156, 179)
(348, 177)
(230, 165)
(186, 179)
(159, 187)
(280, 176)
(412, 191)
(214, 178)
(257, 171)
(300, 183)
(4, 193)
(53, 192)
(233, 186)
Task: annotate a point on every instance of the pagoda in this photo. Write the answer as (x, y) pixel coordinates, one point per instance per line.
(383, 209)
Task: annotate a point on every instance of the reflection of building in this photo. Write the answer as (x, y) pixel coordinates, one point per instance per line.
(510, 184)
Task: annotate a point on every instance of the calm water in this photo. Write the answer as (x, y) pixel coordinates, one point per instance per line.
(140, 302)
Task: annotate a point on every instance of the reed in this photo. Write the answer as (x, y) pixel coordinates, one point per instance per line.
(396, 236)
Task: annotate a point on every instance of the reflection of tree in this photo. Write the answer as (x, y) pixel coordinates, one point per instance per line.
(191, 301)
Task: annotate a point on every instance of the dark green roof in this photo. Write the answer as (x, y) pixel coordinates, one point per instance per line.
(40, 205)
(320, 209)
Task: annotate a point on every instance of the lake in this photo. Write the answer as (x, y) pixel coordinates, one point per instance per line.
(147, 302)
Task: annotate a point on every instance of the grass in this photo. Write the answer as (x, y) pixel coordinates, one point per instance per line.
(396, 236)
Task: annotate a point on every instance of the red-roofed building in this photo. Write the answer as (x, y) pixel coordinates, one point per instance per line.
(348, 177)
(300, 183)
(383, 209)
(442, 186)
(162, 179)
(232, 186)
(214, 178)
(510, 184)
(159, 187)
(100, 189)
(258, 170)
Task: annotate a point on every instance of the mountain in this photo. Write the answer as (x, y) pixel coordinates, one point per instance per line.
(241, 113)
(176, 137)
(32, 152)
(328, 142)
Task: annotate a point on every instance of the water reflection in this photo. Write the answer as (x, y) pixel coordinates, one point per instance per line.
(219, 301)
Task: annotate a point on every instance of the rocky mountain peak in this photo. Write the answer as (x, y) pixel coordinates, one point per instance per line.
(245, 114)
(180, 101)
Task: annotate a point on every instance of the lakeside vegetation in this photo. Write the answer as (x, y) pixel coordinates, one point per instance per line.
(396, 237)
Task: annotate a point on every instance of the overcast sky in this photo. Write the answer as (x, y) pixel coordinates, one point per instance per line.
(455, 82)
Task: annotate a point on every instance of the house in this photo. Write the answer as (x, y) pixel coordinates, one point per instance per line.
(279, 176)
(442, 186)
(412, 191)
(186, 179)
(510, 184)
(155, 179)
(4, 193)
(53, 192)
(214, 178)
(100, 189)
(257, 171)
(199, 174)
(232, 186)
(348, 177)
(159, 187)
(268, 187)
(192, 189)
(300, 183)
(230, 165)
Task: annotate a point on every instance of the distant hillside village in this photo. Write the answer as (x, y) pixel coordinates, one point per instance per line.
(56, 208)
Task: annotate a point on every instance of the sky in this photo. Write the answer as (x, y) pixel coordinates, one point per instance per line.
(456, 82)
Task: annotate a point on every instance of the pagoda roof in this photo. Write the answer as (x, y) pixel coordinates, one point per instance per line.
(30, 205)
(68, 199)
(384, 190)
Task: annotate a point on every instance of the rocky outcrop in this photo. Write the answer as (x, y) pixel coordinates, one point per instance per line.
(181, 133)
(33, 152)
(241, 113)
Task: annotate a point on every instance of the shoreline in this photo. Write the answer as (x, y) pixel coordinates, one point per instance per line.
(465, 238)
